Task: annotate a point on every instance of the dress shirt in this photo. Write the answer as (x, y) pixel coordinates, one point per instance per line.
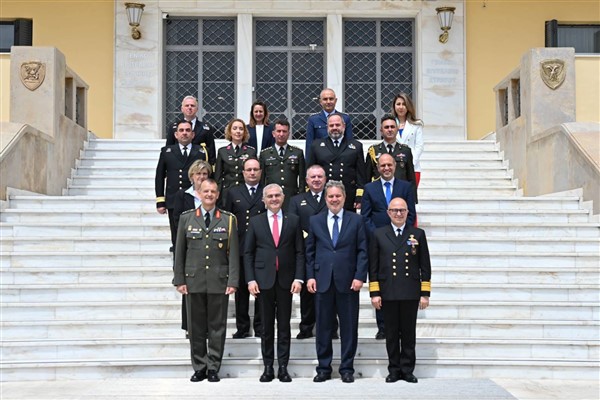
(330, 221)
(394, 227)
(259, 136)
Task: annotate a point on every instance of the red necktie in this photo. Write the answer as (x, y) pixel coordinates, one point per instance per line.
(276, 239)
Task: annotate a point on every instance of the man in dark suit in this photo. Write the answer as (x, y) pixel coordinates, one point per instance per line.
(316, 127)
(172, 171)
(274, 264)
(283, 163)
(305, 205)
(342, 158)
(400, 284)
(245, 201)
(204, 133)
(376, 198)
(207, 272)
(336, 268)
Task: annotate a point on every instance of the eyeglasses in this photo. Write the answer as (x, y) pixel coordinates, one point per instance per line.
(397, 210)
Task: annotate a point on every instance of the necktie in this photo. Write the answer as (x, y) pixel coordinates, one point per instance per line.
(390, 148)
(252, 191)
(185, 154)
(316, 196)
(336, 144)
(276, 239)
(281, 151)
(398, 232)
(335, 233)
(207, 219)
(388, 192)
(236, 150)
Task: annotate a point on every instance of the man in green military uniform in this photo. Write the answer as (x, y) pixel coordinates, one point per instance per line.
(207, 271)
(402, 154)
(283, 164)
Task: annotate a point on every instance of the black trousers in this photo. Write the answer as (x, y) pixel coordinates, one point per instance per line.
(400, 335)
(242, 306)
(275, 303)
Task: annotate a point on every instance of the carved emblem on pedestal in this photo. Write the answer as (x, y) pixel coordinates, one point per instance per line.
(33, 74)
(553, 72)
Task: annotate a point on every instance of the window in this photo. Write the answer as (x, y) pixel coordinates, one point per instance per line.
(378, 64)
(200, 61)
(18, 32)
(289, 71)
(585, 38)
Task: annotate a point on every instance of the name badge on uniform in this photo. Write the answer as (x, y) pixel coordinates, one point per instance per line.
(219, 229)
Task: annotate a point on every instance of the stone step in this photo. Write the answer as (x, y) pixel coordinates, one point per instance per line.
(250, 349)
(102, 316)
(443, 291)
(164, 258)
(122, 154)
(125, 181)
(159, 228)
(163, 320)
(128, 274)
(454, 368)
(116, 172)
(427, 217)
(465, 243)
(145, 191)
(437, 145)
(133, 203)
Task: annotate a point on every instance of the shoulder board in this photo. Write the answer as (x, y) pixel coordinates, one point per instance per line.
(250, 147)
(404, 145)
(188, 211)
(225, 212)
(377, 179)
(317, 113)
(294, 147)
(267, 149)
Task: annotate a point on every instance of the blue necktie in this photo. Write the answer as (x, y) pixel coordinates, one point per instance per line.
(388, 192)
(335, 233)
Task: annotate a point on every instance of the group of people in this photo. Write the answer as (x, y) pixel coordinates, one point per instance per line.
(265, 225)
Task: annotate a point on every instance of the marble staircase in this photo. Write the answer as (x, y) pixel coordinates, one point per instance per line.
(86, 290)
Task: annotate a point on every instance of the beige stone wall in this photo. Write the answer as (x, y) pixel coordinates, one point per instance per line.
(4, 86)
(587, 94)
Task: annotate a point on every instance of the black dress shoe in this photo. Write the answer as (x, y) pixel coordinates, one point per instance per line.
(380, 335)
(347, 377)
(321, 377)
(335, 335)
(410, 378)
(391, 378)
(198, 376)
(213, 376)
(268, 375)
(305, 335)
(283, 375)
(241, 335)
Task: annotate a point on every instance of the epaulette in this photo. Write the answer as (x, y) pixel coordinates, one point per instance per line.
(188, 211)
(404, 145)
(317, 113)
(294, 147)
(226, 212)
(267, 149)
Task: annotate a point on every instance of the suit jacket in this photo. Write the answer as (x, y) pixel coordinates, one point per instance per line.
(207, 260)
(399, 268)
(316, 128)
(341, 264)
(288, 171)
(243, 206)
(374, 207)
(260, 252)
(305, 206)
(346, 164)
(173, 168)
(228, 168)
(267, 139)
(412, 136)
(183, 202)
(204, 137)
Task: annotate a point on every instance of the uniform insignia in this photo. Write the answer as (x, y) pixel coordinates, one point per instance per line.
(412, 242)
(220, 245)
(219, 229)
(351, 146)
(229, 147)
(292, 156)
(206, 127)
(303, 203)
(168, 150)
(189, 228)
(244, 156)
(322, 144)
